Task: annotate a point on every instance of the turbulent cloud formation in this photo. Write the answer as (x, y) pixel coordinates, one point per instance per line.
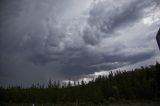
(57, 39)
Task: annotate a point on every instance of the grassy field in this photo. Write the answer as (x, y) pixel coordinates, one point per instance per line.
(111, 104)
(137, 104)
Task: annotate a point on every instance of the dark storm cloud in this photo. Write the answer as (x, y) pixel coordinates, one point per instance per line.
(107, 16)
(59, 39)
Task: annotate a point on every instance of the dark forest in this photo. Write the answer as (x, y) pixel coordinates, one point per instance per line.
(139, 84)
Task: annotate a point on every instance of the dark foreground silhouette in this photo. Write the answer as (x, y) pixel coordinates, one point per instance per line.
(139, 86)
(158, 38)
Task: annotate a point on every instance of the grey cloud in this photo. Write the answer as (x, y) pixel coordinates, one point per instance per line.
(106, 17)
(43, 40)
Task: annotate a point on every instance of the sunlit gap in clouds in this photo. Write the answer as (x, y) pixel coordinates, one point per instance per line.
(153, 15)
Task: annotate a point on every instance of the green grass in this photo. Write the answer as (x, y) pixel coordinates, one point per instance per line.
(126, 103)
(137, 104)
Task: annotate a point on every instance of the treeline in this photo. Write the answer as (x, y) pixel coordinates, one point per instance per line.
(141, 83)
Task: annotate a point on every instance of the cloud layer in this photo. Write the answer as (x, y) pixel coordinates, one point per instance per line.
(41, 40)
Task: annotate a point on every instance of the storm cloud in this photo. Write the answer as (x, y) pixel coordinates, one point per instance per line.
(59, 39)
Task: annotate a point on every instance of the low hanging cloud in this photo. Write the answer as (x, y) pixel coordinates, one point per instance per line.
(41, 40)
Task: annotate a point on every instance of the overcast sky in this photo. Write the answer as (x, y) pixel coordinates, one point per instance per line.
(65, 39)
